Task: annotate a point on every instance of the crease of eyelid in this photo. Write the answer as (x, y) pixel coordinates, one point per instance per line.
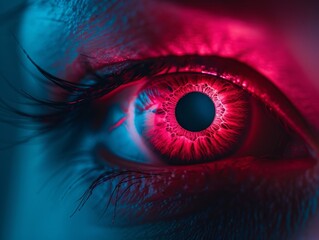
(247, 78)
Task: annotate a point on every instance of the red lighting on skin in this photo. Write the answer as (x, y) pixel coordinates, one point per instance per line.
(255, 44)
(118, 123)
(204, 35)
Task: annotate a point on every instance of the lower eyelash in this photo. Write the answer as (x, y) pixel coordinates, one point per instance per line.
(109, 175)
(85, 170)
(131, 178)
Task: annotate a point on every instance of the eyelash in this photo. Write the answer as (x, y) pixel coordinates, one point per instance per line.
(83, 94)
(133, 177)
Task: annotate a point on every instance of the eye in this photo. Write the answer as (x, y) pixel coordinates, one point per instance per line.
(248, 135)
(155, 156)
(189, 115)
(129, 130)
(188, 118)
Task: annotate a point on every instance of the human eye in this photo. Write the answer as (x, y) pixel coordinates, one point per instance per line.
(166, 134)
(233, 97)
(148, 158)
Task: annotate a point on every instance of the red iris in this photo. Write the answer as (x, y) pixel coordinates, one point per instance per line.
(162, 130)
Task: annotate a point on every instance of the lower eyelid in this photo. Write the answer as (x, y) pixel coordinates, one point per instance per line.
(203, 185)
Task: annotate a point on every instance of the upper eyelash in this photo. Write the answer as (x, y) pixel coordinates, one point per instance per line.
(56, 111)
(88, 92)
(48, 114)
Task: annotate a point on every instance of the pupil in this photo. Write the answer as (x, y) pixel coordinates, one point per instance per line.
(195, 111)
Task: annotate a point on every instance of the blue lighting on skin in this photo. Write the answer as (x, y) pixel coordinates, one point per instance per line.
(52, 33)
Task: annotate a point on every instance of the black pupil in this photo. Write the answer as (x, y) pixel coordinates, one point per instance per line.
(195, 111)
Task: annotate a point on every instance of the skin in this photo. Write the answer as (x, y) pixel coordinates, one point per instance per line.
(54, 33)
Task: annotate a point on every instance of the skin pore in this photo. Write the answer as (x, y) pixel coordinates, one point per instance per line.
(62, 35)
